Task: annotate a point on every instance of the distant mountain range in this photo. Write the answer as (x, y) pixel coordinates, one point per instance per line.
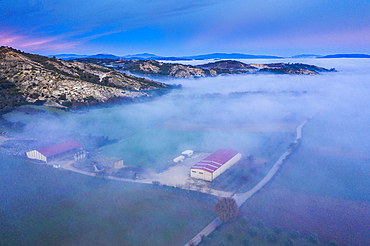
(147, 56)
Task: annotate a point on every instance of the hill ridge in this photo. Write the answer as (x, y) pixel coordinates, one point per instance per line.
(39, 79)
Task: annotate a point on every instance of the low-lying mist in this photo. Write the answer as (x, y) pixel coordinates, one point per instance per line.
(254, 114)
(230, 103)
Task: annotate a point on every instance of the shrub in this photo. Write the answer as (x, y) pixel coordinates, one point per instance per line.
(313, 238)
(333, 243)
(67, 104)
(230, 237)
(63, 97)
(244, 221)
(288, 242)
(205, 240)
(253, 231)
(277, 230)
(271, 238)
(238, 228)
(294, 234)
(245, 241)
(260, 224)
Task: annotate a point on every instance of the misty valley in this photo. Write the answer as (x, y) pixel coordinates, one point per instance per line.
(318, 195)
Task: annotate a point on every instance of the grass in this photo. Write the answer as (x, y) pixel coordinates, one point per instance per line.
(45, 206)
(244, 233)
(335, 176)
(156, 148)
(153, 148)
(309, 188)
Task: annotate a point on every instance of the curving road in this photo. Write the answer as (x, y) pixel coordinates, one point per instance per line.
(241, 198)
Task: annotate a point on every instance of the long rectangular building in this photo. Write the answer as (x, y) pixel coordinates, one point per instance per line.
(54, 151)
(215, 164)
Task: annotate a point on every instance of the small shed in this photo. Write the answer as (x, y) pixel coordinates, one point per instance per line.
(109, 162)
(118, 163)
(188, 152)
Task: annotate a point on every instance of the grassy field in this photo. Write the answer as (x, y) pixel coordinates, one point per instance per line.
(245, 233)
(44, 206)
(337, 169)
(153, 148)
(322, 188)
(156, 148)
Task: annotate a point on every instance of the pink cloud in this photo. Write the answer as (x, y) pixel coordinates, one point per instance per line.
(35, 43)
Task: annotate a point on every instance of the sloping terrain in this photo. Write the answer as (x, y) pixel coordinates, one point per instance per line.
(39, 79)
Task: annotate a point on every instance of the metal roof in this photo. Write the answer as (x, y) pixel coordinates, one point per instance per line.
(59, 148)
(215, 160)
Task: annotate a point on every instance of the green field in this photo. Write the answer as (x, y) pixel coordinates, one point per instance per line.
(156, 148)
(337, 168)
(242, 232)
(44, 206)
(153, 148)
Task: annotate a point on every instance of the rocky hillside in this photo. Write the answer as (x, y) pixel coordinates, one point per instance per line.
(291, 68)
(151, 67)
(155, 68)
(38, 79)
(228, 64)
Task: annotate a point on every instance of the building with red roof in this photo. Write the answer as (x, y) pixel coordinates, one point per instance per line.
(55, 151)
(215, 164)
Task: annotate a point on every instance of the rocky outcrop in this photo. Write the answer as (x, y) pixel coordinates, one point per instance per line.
(41, 79)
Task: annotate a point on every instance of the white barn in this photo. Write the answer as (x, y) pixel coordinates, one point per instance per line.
(52, 152)
(214, 165)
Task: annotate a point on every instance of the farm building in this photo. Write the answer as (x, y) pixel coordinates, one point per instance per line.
(211, 167)
(109, 163)
(52, 152)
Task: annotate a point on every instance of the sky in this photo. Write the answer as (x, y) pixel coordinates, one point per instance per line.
(191, 27)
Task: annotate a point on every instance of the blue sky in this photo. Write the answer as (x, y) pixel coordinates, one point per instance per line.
(191, 27)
